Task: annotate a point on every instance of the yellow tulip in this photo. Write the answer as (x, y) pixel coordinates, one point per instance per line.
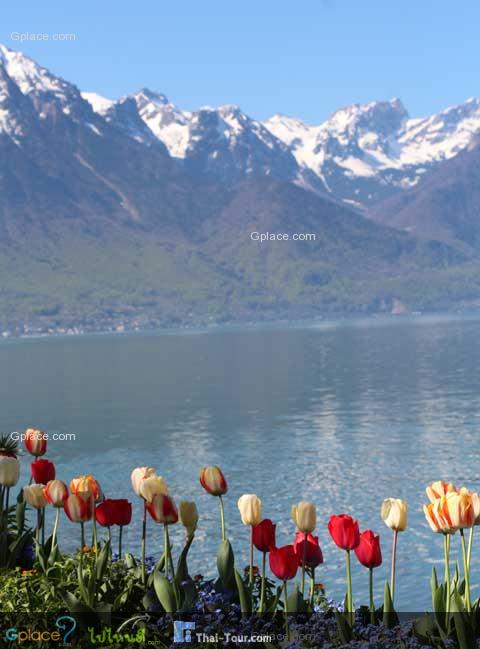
(153, 486)
(9, 471)
(394, 514)
(188, 516)
(138, 475)
(304, 515)
(250, 507)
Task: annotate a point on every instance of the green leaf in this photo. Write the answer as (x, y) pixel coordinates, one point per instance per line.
(165, 592)
(225, 565)
(390, 618)
(73, 604)
(101, 561)
(20, 512)
(182, 568)
(343, 627)
(465, 632)
(295, 601)
(245, 601)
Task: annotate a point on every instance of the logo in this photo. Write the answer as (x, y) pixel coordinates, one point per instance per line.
(65, 623)
(182, 631)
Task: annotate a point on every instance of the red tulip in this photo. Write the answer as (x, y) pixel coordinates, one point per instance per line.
(35, 442)
(114, 512)
(344, 531)
(283, 562)
(213, 480)
(368, 551)
(43, 471)
(314, 556)
(79, 507)
(264, 535)
(162, 509)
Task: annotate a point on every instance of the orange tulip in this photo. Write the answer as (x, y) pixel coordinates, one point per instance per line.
(87, 484)
(438, 489)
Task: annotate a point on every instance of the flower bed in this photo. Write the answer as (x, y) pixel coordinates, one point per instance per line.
(109, 597)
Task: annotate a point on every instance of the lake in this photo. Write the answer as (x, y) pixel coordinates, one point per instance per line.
(341, 413)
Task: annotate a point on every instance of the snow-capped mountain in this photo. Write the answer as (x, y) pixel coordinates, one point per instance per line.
(365, 152)
(361, 155)
(222, 144)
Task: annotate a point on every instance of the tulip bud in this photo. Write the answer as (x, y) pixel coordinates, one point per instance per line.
(152, 486)
(56, 493)
(87, 484)
(309, 548)
(304, 516)
(394, 514)
(33, 496)
(438, 489)
(213, 481)
(162, 509)
(250, 507)
(459, 509)
(113, 512)
(344, 531)
(368, 551)
(138, 475)
(188, 516)
(42, 471)
(437, 517)
(35, 442)
(79, 507)
(9, 471)
(264, 535)
(283, 562)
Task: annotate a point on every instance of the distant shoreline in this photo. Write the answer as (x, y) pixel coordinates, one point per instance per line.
(281, 324)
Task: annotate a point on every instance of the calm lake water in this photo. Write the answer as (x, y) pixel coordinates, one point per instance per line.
(344, 414)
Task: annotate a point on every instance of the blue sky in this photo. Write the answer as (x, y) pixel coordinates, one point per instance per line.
(304, 58)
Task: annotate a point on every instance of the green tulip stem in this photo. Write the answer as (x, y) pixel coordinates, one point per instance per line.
(120, 543)
(109, 535)
(285, 597)
(43, 526)
(446, 549)
(312, 586)
(466, 573)
(7, 496)
(82, 535)
(250, 574)
(166, 548)
(37, 532)
(394, 559)
(55, 526)
(94, 538)
(222, 519)
(304, 560)
(470, 543)
(262, 590)
(349, 584)
(2, 489)
(170, 555)
(144, 541)
(370, 584)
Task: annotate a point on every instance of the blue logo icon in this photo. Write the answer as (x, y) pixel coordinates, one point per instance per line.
(182, 631)
(66, 623)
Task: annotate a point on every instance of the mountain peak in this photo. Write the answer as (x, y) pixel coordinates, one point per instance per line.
(145, 95)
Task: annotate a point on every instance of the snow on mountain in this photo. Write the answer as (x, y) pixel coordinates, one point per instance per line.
(98, 103)
(364, 151)
(47, 91)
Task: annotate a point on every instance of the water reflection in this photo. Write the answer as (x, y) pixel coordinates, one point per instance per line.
(344, 414)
